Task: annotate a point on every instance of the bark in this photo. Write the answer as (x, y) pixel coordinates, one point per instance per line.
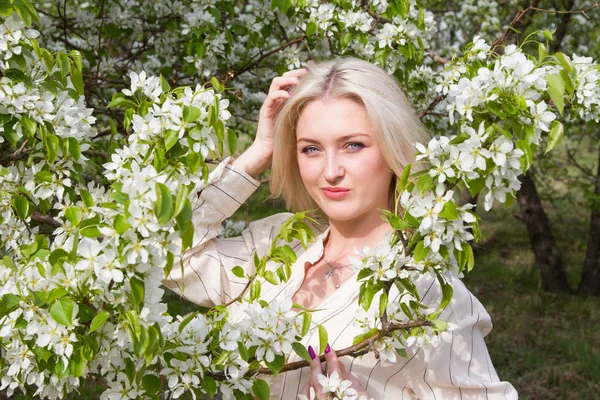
(590, 278)
(547, 258)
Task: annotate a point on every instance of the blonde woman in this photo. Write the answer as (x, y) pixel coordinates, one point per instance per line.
(335, 136)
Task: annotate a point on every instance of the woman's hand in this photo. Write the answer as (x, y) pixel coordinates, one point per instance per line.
(346, 383)
(258, 157)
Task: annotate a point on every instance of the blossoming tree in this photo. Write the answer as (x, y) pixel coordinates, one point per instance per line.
(99, 175)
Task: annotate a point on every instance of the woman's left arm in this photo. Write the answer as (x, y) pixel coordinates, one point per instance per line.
(460, 367)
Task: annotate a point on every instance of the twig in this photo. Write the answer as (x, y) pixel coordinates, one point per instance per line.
(20, 150)
(433, 104)
(46, 219)
(249, 66)
(532, 7)
(96, 153)
(99, 56)
(582, 12)
(437, 58)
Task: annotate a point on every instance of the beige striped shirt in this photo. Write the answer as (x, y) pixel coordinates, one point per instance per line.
(458, 369)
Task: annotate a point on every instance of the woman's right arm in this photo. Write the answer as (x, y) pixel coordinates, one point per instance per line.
(203, 273)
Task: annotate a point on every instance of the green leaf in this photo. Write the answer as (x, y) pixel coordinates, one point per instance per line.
(271, 277)
(171, 138)
(564, 61)
(99, 321)
(76, 57)
(465, 257)
(301, 351)
(425, 183)
(151, 384)
(73, 215)
(555, 136)
(77, 81)
(556, 90)
(62, 311)
(163, 207)
(164, 84)
(121, 225)
(261, 389)
(137, 291)
(556, 81)
(186, 321)
(238, 271)
(502, 131)
(255, 289)
(476, 186)
(216, 85)
(365, 297)
(86, 197)
(306, 321)
(180, 199)
(548, 35)
(56, 293)
(541, 52)
(420, 251)
(29, 125)
(9, 263)
(404, 178)
(209, 385)
(9, 303)
(360, 338)
(277, 364)
(311, 29)
(51, 142)
(383, 303)
(65, 64)
(190, 113)
(527, 154)
(232, 141)
(74, 148)
(24, 209)
(447, 292)
(449, 211)
(323, 338)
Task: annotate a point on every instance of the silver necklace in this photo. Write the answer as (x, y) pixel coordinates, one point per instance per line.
(332, 268)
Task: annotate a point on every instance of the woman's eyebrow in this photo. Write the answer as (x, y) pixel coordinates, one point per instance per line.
(340, 139)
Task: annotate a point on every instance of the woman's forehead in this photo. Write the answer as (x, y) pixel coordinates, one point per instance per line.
(336, 118)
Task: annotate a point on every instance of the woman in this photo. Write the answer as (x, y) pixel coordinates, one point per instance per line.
(335, 137)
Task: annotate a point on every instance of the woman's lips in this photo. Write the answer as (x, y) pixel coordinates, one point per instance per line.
(336, 193)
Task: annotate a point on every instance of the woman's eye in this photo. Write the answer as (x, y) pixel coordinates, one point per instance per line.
(309, 149)
(355, 145)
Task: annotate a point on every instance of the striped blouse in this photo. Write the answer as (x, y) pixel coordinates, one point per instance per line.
(456, 369)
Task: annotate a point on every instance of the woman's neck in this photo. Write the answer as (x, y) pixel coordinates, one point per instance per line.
(344, 236)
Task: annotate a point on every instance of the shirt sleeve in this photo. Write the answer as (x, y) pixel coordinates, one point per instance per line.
(460, 367)
(203, 274)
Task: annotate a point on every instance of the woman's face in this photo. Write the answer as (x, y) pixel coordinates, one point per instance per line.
(340, 162)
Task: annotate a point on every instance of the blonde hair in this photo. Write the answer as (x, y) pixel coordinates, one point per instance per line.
(396, 126)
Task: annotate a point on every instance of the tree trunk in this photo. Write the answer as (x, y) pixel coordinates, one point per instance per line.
(590, 278)
(542, 242)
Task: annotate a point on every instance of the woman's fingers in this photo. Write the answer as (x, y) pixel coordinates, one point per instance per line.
(272, 98)
(315, 370)
(282, 82)
(296, 72)
(333, 363)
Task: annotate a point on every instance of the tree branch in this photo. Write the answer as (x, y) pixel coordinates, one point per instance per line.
(352, 351)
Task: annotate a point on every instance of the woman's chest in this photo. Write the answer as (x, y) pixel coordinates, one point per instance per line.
(320, 283)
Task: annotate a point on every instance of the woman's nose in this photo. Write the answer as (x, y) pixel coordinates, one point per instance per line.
(333, 168)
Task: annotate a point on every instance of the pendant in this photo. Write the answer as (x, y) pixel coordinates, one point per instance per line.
(337, 285)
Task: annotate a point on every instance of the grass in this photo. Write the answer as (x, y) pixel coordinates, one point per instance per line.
(546, 345)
